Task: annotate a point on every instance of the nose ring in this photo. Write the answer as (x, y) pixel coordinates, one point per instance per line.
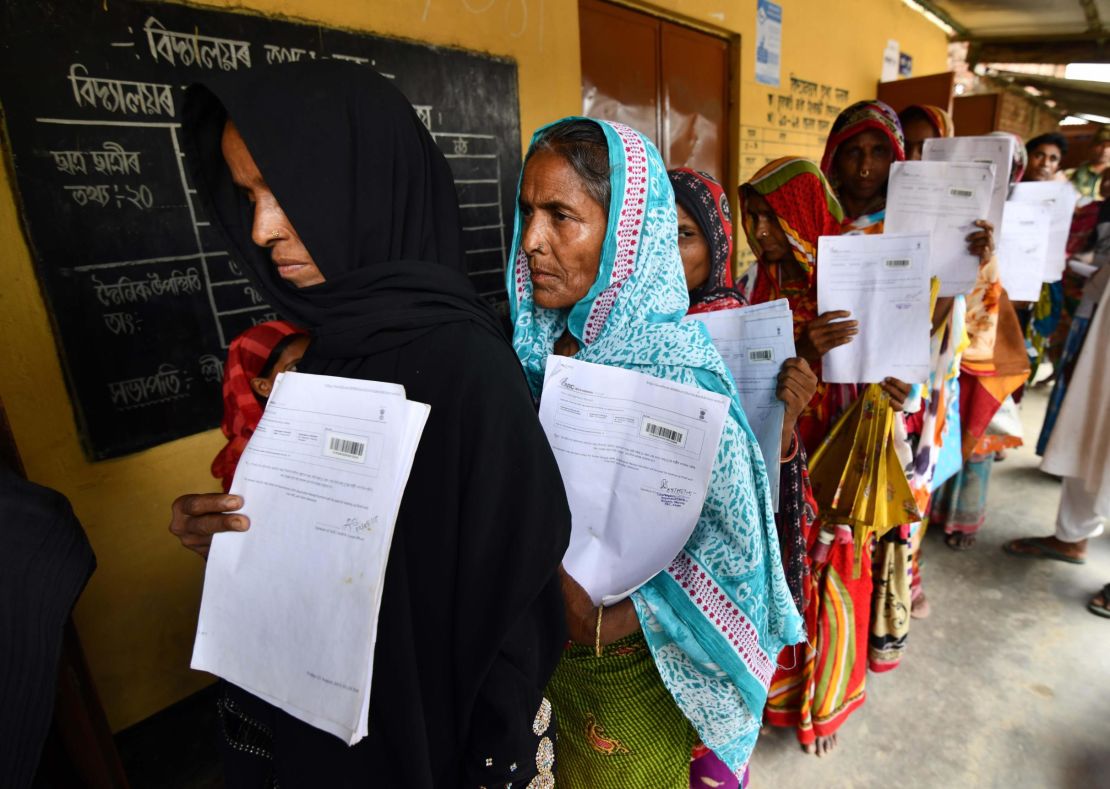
(864, 173)
(275, 235)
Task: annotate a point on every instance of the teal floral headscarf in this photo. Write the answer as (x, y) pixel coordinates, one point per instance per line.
(717, 617)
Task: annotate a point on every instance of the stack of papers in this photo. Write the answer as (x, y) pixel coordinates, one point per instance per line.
(636, 454)
(754, 342)
(290, 607)
(1060, 197)
(1023, 249)
(883, 281)
(944, 199)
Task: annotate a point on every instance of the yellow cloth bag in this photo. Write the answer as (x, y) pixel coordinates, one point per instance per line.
(856, 475)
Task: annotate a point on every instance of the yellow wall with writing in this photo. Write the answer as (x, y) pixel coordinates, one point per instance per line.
(137, 617)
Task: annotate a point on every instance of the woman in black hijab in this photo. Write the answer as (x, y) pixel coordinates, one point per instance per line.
(342, 210)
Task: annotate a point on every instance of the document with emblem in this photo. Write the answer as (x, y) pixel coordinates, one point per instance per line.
(290, 606)
(884, 282)
(754, 342)
(944, 199)
(636, 454)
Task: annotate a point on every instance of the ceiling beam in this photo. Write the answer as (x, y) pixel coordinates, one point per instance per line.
(1060, 49)
(1090, 10)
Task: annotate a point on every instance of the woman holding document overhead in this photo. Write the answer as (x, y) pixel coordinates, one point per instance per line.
(334, 199)
(596, 277)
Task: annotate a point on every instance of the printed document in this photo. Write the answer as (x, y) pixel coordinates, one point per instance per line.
(884, 282)
(990, 149)
(754, 342)
(636, 453)
(1023, 249)
(944, 199)
(1060, 197)
(290, 607)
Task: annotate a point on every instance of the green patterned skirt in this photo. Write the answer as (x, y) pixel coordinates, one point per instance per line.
(619, 728)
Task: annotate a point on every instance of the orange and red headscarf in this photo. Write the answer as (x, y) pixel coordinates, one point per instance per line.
(247, 357)
(806, 209)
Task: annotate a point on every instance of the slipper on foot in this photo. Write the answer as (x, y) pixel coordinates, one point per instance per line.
(1037, 550)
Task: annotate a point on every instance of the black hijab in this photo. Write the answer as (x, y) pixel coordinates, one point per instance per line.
(366, 188)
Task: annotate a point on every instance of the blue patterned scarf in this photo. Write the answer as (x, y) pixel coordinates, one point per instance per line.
(716, 619)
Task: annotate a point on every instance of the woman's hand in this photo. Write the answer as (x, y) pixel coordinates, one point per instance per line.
(981, 242)
(197, 516)
(797, 385)
(824, 333)
(898, 391)
(617, 621)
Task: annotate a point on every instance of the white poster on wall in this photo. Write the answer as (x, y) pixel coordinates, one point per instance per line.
(891, 61)
(768, 43)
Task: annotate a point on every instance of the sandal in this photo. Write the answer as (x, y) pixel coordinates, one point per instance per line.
(1032, 548)
(1104, 609)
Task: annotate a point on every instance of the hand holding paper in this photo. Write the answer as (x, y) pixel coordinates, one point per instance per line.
(884, 283)
(290, 607)
(944, 199)
(636, 454)
(754, 342)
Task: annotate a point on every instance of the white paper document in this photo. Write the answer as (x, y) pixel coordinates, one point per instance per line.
(990, 149)
(290, 607)
(636, 454)
(884, 282)
(754, 342)
(1023, 249)
(1060, 197)
(944, 199)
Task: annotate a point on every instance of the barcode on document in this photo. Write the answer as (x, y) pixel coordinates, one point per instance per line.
(761, 355)
(674, 435)
(345, 447)
(898, 263)
(961, 192)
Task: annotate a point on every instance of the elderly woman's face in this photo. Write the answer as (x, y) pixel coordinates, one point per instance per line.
(862, 164)
(271, 228)
(563, 231)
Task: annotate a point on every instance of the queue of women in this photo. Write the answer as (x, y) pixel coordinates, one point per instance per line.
(343, 212)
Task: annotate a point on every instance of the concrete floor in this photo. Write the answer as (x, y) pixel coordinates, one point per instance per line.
(1007, 684)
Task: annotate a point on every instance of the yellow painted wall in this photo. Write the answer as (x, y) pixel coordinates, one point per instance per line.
(137, 616)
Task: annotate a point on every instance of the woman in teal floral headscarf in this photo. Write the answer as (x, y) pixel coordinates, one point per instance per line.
(596, 274)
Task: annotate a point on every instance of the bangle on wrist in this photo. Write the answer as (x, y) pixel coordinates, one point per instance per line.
(597, 635)
(793, 448)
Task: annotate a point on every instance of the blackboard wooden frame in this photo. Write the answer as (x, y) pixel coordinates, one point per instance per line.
(142, 295)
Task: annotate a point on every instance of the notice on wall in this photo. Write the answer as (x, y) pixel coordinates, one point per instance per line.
(891, 58)
(768, 43)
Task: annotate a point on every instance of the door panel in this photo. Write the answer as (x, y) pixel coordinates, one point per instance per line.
(620, 66)
(668, 81)
(695, 100)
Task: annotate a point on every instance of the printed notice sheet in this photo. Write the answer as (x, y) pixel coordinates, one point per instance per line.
(1023, 249)
(290, 607)
(884, 282)
(990, 149)
(1060, 197)
(636, 454)
(944, 199)
(754, 342)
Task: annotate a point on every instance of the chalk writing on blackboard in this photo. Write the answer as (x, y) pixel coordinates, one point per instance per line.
(144, 294)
